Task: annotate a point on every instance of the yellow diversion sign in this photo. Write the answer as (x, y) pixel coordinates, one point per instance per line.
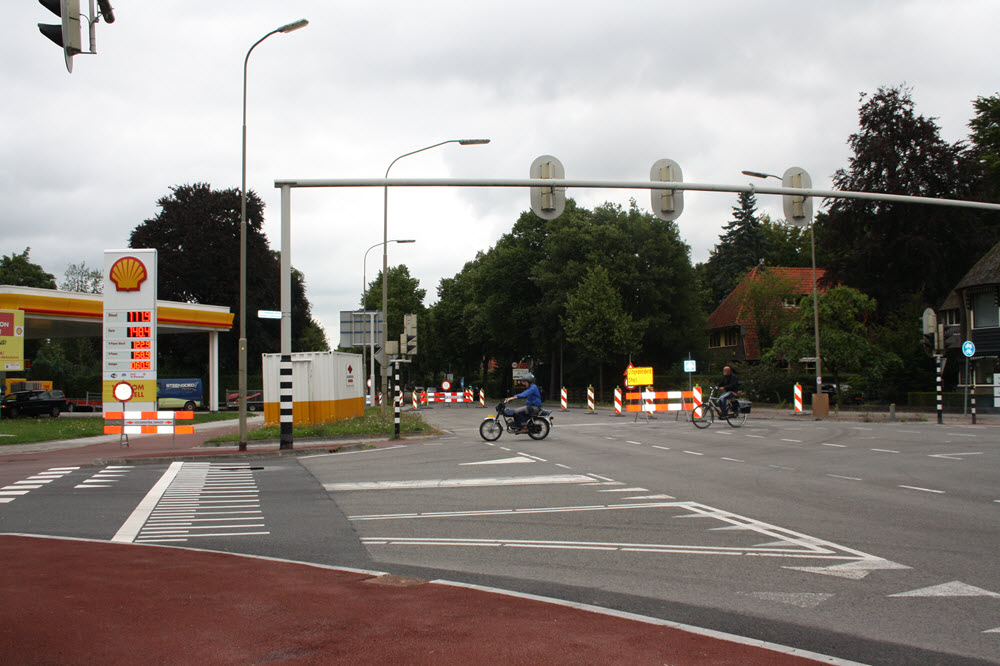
(639, 377)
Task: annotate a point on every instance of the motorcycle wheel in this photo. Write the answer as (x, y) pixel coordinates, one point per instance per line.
(539, 429)
(490, 430)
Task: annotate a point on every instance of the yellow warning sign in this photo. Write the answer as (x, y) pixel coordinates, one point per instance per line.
(639, 377)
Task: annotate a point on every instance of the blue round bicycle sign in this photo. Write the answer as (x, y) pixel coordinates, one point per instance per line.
(968, 348)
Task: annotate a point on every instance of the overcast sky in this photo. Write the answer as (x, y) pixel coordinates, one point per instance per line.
(608, 88)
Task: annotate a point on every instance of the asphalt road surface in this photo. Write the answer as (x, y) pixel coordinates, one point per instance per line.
(869, 542)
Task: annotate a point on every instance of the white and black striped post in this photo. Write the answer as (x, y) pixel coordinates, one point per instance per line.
(940, 395)
(285, 400)
(399, 397)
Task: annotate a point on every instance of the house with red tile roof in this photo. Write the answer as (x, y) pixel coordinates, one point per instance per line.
(769, 293)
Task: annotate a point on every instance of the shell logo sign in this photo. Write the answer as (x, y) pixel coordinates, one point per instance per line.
(128, 273)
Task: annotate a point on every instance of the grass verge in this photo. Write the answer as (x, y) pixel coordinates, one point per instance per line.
(372, 423)
(25, 430)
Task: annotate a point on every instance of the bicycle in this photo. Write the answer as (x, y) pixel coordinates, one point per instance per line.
(704, 415)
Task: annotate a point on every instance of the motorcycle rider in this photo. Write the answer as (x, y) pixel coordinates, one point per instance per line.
(532, 403)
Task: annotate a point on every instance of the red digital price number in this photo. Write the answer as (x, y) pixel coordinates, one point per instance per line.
(139, 316)
(142, 344)
(142, 354)
(140, 332)
(142, 365)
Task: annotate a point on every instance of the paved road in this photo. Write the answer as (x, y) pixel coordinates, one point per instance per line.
(849, 538)
(870, 542)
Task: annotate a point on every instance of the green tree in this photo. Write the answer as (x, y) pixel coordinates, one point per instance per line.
(197, 237)
(596, 320)
(985, 139)
(849, 339)
(81, 279)
(788, 245)
(743, 245)
(17, 270)
(765, 300)
(893, 250)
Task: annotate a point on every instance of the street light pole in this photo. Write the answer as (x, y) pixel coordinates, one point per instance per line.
(385, 255)
(290, 27)
(812, 243)
(364, 285)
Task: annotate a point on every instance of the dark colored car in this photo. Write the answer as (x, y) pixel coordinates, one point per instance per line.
(33, 403)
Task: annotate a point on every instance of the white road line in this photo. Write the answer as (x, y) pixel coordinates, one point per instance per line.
(663, 448)
(790, 469)
(694, 453)
(924, 490)
(733, 460)
(130, 529)
(457, 483)
(629, 441)
(884, 450)
(849, 478)
(756, 436)
(797, 441)
(839, 446)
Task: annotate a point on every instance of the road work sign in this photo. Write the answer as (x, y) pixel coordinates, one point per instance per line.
(639, 377)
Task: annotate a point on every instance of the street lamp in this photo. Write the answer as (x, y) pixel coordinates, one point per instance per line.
(385, 253)
(364, 285)
(290, 27)
(812, 242)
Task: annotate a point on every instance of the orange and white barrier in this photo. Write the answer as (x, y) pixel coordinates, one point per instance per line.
(798, 398)
(697, 395)
(448, 396)
(468, 395)
(618, 401)
(563, 399)
(590, 400)
(416, 400)
(482, 397)
(646, 401)
(148, 423)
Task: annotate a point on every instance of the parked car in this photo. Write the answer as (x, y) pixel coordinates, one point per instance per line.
(33, 403)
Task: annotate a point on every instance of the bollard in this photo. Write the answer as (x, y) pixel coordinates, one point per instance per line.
(798, 398)
(562, 399)
(590, 400)
(892, 410)
(482, 397)
(618, 401)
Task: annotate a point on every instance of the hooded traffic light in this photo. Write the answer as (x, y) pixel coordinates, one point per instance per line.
(67, 34)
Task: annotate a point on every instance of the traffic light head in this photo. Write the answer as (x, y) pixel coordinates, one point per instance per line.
(67, 33)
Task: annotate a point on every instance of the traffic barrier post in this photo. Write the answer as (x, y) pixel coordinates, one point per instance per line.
(590, 400)
(563, 399)
(618, 401)
(798, 398)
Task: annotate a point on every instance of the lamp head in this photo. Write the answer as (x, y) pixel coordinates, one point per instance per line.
(292, 27)
(473, 142)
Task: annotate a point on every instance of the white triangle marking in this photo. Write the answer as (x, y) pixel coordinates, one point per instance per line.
(953, 589)
(801, 599)
(502, 461)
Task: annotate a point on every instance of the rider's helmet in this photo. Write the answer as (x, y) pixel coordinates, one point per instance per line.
(530, 378)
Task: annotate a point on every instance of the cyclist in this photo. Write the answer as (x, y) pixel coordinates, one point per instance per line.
(532, 403)
(730, 387)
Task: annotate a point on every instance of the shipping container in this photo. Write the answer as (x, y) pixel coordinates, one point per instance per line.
(326, 387)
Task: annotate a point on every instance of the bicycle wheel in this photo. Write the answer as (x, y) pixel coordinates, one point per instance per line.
(737, 418)
(490, 429)
(702, 415)
(538, 428)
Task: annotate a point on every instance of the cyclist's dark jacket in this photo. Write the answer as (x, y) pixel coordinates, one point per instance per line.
(729, 382)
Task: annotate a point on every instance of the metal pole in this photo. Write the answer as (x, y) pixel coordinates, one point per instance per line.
(819, 360)
(242, 360)
(385, 252)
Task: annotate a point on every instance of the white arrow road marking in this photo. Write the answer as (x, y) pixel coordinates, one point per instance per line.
(502, 461)
(954, 456)
(853, 570)
(953, 589)
(800, 599)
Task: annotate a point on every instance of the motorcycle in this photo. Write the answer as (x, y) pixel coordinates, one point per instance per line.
(492, 427)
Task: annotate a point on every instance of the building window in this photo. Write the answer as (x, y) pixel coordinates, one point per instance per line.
(732, 338)
(985, 312)
(727, 338)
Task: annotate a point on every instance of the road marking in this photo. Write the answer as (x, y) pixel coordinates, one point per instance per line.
(733, 460)
(602, 478)
(953, 589)
(130, 529)
(458, 483)
(625, 490)
(797, 441)
(694, 453)
(628, 441)
(789, 469)
(502, 461)
(839, 446)
(800, 599)
(849, 478)
(884, 450)
(924, 490)
(954, 456)
(758, 436)
(528, 455)
(662, 448)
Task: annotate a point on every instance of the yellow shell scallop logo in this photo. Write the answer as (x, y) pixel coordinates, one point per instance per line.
(128, 273)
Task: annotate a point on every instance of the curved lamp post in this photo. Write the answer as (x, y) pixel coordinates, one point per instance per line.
(364, 285)
(290, 27)
(812, 241)
(385, 254)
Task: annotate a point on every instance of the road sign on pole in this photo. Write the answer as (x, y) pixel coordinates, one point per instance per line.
(968, 348)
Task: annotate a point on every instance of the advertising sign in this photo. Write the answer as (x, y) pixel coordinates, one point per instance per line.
(129, 331)
(11, 340)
